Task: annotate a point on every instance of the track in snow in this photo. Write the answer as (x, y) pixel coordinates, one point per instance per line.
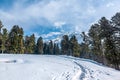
(82, 75)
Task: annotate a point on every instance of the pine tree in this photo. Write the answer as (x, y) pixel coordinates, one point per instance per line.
(116, 39)
(116, 20)
(20, 41)
(51, 47)
(26, 44)
(74, 46)
(1, 25)
(56, 50)
(45, 48)
(96, 49)
(4, 40)
(107, 33)
(85, 51)
(1, 45)
(40, 45)
(65, 45)
(16, 40)
(13, 39)
(30, 44)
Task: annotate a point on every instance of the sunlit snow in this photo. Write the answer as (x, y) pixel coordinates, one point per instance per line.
(51, 67)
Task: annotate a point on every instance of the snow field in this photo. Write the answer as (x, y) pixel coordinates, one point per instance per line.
(51, 67)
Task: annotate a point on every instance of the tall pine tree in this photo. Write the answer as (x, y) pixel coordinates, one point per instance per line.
(65, 45)
(75, 47)
(40, 45)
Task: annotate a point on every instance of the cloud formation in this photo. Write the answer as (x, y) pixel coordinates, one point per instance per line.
(66, 15)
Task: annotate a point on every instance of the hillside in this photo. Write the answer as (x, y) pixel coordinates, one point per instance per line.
(49, 67)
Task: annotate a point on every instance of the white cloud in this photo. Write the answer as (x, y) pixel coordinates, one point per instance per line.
(110, 4)
(51, 34)
(78, 13)
(59, 24)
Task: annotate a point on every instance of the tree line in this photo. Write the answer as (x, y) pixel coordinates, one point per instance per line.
(15, 42)
(101, 43)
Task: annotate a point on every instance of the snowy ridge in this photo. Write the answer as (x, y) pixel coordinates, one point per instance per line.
(59, 37)
(51, 67)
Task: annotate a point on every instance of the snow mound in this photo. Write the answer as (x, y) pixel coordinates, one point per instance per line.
(11, 61)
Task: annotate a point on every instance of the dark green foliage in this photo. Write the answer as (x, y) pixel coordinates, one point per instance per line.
(39, 45)
(84, 46)
(45, 48)
(4, 40)
(96, 45)
(51, 47)
(65, 45)
(56, 50)
(116, 40)
(16, 40)
(30, 44)
(116, 19)
(106, 28)
(105, 37)
(1, 25)
(109, 32)
(70, 47)
(74, 46)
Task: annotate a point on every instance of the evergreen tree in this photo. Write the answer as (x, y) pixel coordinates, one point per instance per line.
(30, 44)
(116, 39)
(116, 20)
(16, 40)
(1, 42)
(4, 40)
(20, 41)
(84, 46)
(74, 46)
(1, 25)
(65, 45)
(13, 39)
(40, 45)
(96, 49)
(107, 32)
(26, 44)
(56, 49)
(45, 48)
(51, 47)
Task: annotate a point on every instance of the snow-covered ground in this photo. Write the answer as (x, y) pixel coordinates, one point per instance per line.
(49, 67)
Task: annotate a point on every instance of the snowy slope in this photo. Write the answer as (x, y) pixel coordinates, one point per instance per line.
(49, 67)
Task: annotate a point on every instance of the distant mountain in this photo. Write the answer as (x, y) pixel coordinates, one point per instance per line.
(58, 37)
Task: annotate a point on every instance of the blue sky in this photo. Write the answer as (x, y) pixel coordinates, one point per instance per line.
(53, 17)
